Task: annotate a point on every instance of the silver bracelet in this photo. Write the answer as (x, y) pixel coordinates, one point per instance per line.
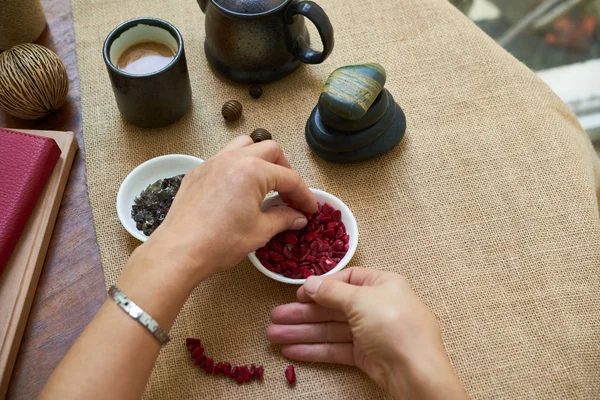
(139, 315)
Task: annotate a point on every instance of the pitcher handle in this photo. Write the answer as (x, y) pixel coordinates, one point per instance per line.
(203, 4)
(315, 13)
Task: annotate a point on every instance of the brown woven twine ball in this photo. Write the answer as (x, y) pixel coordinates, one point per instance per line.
(260, 135)
(232, 110)
(33, 81)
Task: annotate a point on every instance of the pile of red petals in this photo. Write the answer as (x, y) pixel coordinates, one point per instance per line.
(314, 250)
(241, 373)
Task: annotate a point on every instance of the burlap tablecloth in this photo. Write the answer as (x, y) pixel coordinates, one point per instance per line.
(489, 206)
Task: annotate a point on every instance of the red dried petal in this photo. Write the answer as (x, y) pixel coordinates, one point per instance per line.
(226, 368)
(252, 370)
(318, 269)
(261, 255)
(197, 352)
(259, 373)
(326, 219)
(327, 264)
(244, 373)
(314, 248)
(346, 247)
(290, 264)
(278, 247)
(338, 245)
(240, 379)
(333, 225)
(275, 256)
(209, 365)
(310, 236)
(311, 259)
(339, 233)
(297, 250)
(291, 238)
(287, 253)
(327, 209)
(234, 372)
(337, 215)
(267, 265)
(218, 368)
(339, 254)
(329, 233)
(290, 374)
(345, 238)
(323, 246)
(306, 273)
(278, 267)
(189, 341)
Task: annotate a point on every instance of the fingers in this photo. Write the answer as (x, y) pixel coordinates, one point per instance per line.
(299, 313)
(353, 276)
(329, 293)
(238, 143)
(269, 151)
(326, 332)
(338, 353)
(281, 219)
(289, 184)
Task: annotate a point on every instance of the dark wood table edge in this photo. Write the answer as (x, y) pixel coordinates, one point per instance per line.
(71, 286)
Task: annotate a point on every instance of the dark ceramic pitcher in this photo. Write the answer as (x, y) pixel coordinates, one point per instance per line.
(254, 41)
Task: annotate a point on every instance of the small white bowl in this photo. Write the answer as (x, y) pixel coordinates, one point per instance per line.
(145, 175)
(347, 218)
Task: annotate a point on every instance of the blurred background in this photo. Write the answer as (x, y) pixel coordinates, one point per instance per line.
(558, 39)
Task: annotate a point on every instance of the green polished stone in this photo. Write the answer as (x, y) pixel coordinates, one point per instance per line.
(350, 91)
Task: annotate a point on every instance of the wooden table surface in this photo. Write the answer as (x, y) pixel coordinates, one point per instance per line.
(71, 286)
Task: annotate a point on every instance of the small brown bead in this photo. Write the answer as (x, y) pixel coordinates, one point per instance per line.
(255, 91)
(232, 110)
(261, 134)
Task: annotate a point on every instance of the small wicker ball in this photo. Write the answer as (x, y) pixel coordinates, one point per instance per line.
(260, 134)
(232, 110)
(33, 81)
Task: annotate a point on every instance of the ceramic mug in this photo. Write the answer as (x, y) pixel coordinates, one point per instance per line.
(256, 47)
(158, 98)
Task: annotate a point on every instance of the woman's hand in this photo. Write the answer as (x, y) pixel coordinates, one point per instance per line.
(216, 220)
(373, 320)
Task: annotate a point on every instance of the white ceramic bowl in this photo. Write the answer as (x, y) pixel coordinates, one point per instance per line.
(347, 218)
(145, 175)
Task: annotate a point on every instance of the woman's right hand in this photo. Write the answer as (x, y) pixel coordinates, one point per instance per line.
(373, 320)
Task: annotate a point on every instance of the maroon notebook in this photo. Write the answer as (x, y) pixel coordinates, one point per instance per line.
(26, 163)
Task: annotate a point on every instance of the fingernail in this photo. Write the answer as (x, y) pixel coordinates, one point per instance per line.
(312, 284)
(299, 224)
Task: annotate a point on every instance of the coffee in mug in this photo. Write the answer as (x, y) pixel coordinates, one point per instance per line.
(146, 64)
(145, 58)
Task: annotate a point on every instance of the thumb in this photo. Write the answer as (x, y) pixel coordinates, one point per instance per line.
(330, 293)
(284, 218)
